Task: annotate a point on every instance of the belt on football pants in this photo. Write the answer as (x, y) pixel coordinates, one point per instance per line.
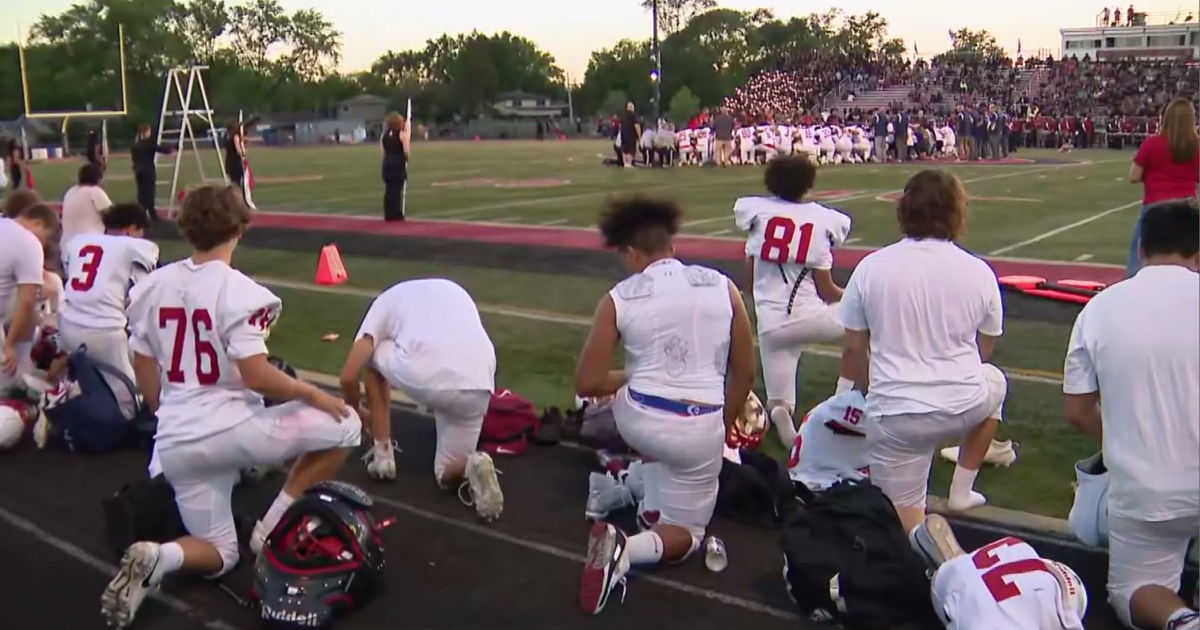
(676, 407)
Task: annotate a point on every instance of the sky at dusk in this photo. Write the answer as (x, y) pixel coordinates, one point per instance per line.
(372, 27)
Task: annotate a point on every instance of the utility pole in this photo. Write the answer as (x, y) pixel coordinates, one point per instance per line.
(656, 75)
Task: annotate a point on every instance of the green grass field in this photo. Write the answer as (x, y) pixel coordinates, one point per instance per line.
(562, 183)
(538, 321)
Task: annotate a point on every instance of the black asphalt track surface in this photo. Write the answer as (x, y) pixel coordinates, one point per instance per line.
(445, 569)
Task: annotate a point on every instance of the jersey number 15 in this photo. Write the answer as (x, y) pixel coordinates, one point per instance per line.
(777, 241)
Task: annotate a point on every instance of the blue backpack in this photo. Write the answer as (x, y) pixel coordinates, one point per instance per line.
(92, 421)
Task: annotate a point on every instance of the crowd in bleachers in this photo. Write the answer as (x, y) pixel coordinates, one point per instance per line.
(805, 85)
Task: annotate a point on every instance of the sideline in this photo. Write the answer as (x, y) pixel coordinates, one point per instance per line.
(1043, 377)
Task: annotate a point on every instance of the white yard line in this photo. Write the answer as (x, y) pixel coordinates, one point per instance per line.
(1029, 376)
(1083, 257)
(719, 233)
(554, 222)
(1070, 226)
(519, 203)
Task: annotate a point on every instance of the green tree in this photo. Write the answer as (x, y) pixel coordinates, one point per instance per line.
(623, 68)
(684, 105)
(981, 42)
(614, 103)
(674, 15)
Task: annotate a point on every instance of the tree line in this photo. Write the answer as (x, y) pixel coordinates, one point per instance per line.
(263, 59)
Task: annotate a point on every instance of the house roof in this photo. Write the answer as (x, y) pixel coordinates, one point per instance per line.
(364, 99)
(508, 96)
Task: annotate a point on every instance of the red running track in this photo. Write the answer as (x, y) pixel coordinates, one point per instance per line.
(686, 245)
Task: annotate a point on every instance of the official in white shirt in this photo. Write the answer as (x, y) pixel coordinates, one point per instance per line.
(84, 203)
(1136, 347)
(922, 316)
(689, 366)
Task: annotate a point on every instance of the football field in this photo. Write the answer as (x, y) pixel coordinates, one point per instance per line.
(1074, 208)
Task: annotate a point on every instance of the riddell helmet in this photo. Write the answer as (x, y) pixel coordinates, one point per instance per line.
(323, 559)
(45, 347)
(1074, 595)
(750, 427)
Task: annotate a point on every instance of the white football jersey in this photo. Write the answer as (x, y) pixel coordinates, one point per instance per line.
(684, 137)
(831, 445)
(809, 135)
(702, 135)
(198, 321)
(101, 269)
(1001, 586)
(785, 134)
(766, 135)
(787, 241)
(746, 135)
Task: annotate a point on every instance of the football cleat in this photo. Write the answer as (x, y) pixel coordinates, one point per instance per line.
(750, 427)
(605, 495)
(935, 541)
(607, 564)
(1074, 595)
(1002, 454)
(135, 579)
(483, 486)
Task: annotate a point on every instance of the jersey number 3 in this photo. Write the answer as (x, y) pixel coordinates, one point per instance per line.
(92, 256)
(208, 370)
(777, 241)
(997, 573)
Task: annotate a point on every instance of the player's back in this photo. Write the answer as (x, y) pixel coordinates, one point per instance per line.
(831, 445)
(197, 321)
(101, 269)
(788, 240)
(1002, 586)
(434, 318)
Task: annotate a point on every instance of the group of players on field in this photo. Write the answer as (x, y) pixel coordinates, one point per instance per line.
(759, 143)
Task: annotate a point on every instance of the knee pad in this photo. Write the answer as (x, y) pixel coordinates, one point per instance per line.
(1088, 520)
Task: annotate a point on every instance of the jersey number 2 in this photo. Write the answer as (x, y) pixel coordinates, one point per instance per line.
(777, 241)
(92, 256)
(997, 572)
(208, 371)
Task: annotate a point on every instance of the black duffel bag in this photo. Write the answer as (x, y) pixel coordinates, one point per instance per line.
(849, 560)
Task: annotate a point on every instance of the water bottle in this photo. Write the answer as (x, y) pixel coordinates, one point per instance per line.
(715, 557)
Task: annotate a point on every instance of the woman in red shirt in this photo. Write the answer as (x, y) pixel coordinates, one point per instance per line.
(1167, 165)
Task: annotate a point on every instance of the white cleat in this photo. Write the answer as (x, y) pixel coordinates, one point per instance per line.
(935, 541)
(607, 564)
(483, 486)
(381, 461)
(134, 581)
(1002, 454)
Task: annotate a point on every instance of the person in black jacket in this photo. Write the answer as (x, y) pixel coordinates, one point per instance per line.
(145, 147)
(95, 150)
(235, 158)
(395, 143)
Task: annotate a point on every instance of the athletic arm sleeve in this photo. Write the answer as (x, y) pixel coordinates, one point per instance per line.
(1079, 371)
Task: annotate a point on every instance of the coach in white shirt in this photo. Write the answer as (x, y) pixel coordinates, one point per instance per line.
(922, 316)
(1136, 345)
(83, 204)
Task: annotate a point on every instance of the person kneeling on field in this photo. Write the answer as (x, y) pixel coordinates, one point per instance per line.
(1004, 585)
(425, 338)
(922, 317)
(689, 359)
(201, 325)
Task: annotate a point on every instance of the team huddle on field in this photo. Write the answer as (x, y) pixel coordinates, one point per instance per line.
(192, 336)
(824, 143)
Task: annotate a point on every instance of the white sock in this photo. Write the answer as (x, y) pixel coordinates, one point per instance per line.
(645, 548)
(1177, 616)
(962, 494)
(781, 417)
(170, 559)
(843, 385)
(275, 512)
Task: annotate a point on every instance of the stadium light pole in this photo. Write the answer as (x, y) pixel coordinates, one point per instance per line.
(656, 76)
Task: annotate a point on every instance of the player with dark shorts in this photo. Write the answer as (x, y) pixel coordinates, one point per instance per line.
(631, 134)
